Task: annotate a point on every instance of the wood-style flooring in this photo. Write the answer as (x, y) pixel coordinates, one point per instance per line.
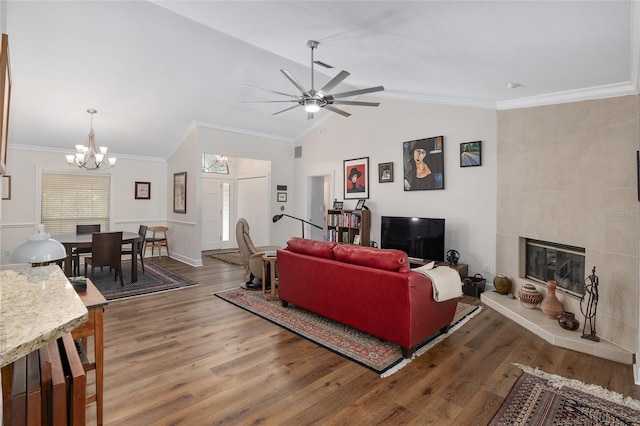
(186, 357)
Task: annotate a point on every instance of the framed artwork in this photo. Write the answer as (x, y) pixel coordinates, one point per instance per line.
(282, 197)
(356, 178)
(6, 187)
(360, 205)
(471, 154)
(337, 205)
(385, 172)
(180, 192)
(5, 101)
(423, 164)
(143, 190)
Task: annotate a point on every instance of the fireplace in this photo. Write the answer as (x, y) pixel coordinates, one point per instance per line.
(563, 263)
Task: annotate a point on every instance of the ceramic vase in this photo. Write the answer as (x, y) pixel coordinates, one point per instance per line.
(551, 306)
(502, 283)
(529, 296)
(568, 321)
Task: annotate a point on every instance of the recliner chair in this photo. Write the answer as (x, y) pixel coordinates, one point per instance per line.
(251, 254)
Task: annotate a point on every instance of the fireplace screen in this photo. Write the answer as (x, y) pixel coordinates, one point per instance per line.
(562, 263)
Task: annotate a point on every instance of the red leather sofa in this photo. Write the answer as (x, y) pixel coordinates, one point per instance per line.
(372, 290)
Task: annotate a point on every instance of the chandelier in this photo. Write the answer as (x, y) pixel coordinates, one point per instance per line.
(87, 157)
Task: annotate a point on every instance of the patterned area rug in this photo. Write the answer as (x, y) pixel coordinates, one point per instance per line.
(540, 398)
(230, 257)
(154, 280)
(378, 355)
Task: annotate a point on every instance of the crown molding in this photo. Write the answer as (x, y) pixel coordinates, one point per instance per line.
(241, 131)
(67, 151)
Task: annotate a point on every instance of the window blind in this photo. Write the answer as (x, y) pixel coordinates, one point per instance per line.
(74, 199)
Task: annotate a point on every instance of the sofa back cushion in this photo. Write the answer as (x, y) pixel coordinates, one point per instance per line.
(322, 249)
(385, 259)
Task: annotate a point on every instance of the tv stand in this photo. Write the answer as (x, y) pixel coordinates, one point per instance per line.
(461, 268)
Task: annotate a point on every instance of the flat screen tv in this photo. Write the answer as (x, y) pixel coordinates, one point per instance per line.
(419, 237)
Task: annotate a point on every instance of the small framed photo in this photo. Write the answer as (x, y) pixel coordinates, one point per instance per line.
(6, 187)
(471, 154)
(143, 191)
(385, 172)
(338, 205)
(360, 204)
(282, 197)
(356, 239)
(180, 192)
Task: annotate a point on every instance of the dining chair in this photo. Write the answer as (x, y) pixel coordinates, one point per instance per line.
(106, 250)
(142, 231)
(158, 241)
(78, 251)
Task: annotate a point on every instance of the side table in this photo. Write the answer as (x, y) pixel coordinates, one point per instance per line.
(272, 262)
(95, 303)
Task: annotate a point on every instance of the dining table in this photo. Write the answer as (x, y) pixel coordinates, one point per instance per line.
(71, 240)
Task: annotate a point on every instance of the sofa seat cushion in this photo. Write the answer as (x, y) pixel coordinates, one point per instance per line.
(385, 259)
(322, 249)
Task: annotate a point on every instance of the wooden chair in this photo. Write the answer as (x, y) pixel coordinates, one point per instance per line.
(106, 250)
(75, 256)
(157, 241)
(142, 231)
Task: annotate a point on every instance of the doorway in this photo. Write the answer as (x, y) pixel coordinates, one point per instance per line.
(320, 192)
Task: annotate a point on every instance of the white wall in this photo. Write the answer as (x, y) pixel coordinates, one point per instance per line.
(20, 214)
(468, 202)
(249, 146)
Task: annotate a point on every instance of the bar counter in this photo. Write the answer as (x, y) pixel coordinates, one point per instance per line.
(37, 306)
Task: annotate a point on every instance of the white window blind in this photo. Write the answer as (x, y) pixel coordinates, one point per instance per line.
(74, 199)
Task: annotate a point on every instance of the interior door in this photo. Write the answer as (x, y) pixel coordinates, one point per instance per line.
(253, 204)
(215, 212)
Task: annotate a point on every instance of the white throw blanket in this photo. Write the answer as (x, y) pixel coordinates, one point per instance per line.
(446, 282)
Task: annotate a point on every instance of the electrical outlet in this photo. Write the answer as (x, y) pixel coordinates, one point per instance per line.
(486, 268)
(7, 253)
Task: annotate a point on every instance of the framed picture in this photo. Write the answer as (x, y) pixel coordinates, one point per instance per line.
(180, 192)
(282, 197)
(471, 154)
(5, 101)
(385, 172)
(360, 205)
(143, 190)
(6, 187)
(423, 164)
(356, 178)
(338, 205)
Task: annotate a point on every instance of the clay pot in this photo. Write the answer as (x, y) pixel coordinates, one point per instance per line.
(551, 306)
(529, 296)
(568, 321)
(502, 283)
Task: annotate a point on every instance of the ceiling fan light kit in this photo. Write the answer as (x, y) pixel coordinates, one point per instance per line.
(313, 100)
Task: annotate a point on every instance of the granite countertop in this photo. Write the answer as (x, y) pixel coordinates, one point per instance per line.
(37, 305)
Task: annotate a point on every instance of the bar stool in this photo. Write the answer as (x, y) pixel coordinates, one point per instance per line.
(157, 241)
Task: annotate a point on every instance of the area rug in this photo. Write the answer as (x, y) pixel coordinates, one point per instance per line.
(541, 398)
(383, 357)
(231, 257)
(155, 279)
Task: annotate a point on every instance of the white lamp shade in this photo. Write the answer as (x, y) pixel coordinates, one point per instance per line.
(38, 248)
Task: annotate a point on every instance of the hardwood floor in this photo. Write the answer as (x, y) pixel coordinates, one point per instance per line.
(187, 357)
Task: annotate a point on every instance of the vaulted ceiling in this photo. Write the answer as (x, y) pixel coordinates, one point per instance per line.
(152, 68)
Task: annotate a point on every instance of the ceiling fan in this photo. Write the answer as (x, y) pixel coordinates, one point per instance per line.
(313, 100)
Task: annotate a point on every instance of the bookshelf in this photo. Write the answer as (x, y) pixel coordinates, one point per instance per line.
(348, 226)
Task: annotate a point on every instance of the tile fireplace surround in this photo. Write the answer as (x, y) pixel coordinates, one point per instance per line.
(536, 322)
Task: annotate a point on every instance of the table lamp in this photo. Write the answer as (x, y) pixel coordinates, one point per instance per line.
(38, 250)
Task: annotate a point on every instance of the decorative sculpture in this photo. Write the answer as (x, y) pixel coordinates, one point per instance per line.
(589, 311)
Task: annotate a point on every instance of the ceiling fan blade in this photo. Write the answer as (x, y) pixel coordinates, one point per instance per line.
(286, 109)
(337, 111)
(257, 102)
(335, 81)
(309, 116)
(269, 90)
(295, 82)
(358, 92)
(358, 103)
